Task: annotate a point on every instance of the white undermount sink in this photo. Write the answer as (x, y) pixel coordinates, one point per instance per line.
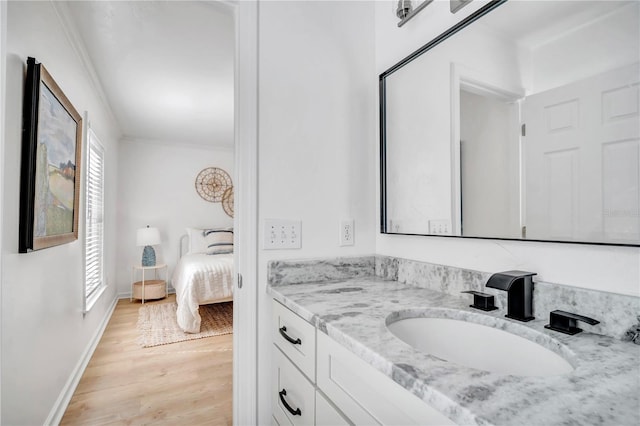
(478, 346)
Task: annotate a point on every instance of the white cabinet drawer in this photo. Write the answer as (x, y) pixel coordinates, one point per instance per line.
(365, 395)
(296, 338)
(326, 414)
(293, 399)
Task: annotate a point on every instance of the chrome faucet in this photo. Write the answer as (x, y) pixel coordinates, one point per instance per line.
(519, 288)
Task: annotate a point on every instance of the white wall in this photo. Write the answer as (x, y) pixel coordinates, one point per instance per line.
(614, 269)
(418, 172)
(426, 25)
(605, 44)
(157, 188)
(317, 160)
(44, 332)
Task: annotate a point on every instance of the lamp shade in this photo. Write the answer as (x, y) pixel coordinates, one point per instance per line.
(147, 236)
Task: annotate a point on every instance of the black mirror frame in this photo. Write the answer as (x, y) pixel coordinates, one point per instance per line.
(383, 139)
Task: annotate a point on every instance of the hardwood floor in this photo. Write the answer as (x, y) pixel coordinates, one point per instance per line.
(184, 383)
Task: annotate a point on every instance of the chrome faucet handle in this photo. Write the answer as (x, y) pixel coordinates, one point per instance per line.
(565, 322)
(482, 301)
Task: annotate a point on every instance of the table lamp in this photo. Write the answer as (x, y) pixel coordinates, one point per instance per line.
(148, 237)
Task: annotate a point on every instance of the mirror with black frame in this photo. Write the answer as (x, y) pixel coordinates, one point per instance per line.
(522, 122)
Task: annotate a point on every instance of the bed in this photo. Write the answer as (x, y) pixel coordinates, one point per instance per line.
(204, 273)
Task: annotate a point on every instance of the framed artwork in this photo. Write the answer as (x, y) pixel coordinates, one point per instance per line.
(50, 164)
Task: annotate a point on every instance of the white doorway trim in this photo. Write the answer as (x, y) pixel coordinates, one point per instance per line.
(475, 82)
(245, 323)
(3, 73)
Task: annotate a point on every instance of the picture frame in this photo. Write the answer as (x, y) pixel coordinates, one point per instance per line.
(50, 165)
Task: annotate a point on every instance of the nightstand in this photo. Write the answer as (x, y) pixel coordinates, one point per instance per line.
(148, 289)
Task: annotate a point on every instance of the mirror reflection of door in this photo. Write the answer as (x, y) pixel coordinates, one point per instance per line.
(581, 185)
(489, 172)
(583, 159)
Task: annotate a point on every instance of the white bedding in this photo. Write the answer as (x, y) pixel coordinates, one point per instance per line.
(200, 279)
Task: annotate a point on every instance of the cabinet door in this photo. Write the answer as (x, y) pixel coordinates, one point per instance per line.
(296, 338)
(293, 396)
(326, 414)
(364, 394)
(274, 422)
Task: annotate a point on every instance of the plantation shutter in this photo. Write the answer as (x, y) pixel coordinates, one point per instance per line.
(94, 236)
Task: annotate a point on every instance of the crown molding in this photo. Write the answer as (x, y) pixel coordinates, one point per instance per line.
(73, 36)
(178, 144)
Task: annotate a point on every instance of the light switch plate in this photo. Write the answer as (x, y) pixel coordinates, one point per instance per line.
(282, 234)
(440, 227)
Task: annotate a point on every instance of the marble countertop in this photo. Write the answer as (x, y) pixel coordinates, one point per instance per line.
(603, 389)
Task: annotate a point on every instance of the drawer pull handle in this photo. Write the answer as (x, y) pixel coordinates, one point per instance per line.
(295, 412)
(289, 339)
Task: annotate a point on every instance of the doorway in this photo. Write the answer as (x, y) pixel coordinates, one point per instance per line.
(245, 17)
(489, 176)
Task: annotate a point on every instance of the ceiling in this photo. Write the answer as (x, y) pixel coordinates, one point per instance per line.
(534, 23)
(166, 67)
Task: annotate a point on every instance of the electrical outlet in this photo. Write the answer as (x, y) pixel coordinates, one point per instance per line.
(394, 226)
(440, 227)
(282, 234)
(347, 230)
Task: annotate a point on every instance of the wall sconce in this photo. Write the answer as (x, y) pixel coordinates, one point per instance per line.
(456, 5)
(405, 10)
(148, 237)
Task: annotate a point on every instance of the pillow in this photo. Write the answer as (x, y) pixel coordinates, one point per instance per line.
(218, 241)
(221, 240)
(196, 241)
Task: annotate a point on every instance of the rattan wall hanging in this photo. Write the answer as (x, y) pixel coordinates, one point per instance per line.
(227, 201)
(211, 184)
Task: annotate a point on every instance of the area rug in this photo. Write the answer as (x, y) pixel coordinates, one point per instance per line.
(157, 323)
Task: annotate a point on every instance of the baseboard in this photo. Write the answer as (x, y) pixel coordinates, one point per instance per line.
(60, 406)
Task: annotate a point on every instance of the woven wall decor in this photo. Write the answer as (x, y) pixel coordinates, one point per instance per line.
(211, 184)
(227, 201)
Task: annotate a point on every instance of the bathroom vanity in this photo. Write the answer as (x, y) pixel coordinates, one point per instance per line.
(316, 369)
(349, 368)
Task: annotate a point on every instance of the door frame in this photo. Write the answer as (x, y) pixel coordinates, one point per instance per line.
(471, 80)
(245, 300)
(3, 73)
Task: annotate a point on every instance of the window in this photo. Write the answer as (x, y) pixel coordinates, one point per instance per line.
(94, 229)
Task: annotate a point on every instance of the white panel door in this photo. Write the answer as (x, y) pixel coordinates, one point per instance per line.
(582, 160)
